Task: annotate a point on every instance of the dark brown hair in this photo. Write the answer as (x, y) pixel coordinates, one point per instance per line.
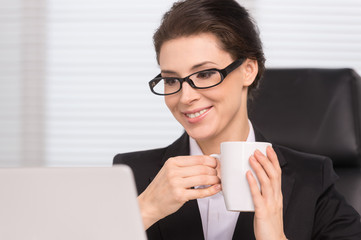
(226, 19)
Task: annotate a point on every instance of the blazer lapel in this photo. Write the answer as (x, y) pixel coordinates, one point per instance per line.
(244, 226)
(186, 222)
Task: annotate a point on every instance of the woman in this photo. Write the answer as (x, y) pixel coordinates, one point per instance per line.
(211, 61)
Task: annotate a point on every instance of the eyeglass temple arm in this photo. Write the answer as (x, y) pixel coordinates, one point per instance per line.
(233, 66)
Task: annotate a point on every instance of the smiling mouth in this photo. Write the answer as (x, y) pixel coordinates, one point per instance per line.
(196, 114)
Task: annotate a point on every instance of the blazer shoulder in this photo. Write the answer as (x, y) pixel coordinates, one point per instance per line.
(310, 167)
(178, 147)
(127, 158)
(302, 158)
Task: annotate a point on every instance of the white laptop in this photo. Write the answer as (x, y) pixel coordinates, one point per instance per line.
(69, 203)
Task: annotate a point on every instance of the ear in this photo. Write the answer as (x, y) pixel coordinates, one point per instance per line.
(250, 71)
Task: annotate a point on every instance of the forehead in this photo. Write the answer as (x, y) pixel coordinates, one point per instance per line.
(184, 52)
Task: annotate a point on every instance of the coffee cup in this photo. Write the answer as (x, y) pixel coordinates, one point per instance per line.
(234, 159)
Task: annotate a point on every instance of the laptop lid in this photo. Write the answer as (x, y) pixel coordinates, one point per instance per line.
(69, 203)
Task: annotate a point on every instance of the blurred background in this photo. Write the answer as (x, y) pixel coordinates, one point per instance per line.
(74, 73)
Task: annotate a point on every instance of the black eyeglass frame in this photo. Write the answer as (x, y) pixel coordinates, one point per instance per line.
(223, 72)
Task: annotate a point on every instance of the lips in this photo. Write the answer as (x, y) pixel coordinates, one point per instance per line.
(197, 114)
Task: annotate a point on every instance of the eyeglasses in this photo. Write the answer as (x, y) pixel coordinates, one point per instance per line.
(199, 80)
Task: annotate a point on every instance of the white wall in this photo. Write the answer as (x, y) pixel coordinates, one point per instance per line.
(22, 47)
(10, 82)
(310, 33)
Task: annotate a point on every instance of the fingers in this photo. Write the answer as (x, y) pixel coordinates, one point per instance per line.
(261, 175)
(255, 192)
(203, 192)
(200, 180)
(184, 167)
(194, 160)
(266, 164)
(267, 170)
(274, 159)
(198, 170)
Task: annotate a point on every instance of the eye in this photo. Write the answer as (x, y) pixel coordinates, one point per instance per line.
(206, 74)
(170, 81)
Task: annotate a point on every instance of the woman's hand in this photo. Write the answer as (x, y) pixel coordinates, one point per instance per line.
(268, 218)
(172, 186)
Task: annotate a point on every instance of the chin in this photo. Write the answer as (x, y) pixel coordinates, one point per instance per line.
(200, 131)
(199, 134)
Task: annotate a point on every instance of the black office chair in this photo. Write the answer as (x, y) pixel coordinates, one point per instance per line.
(316, 111)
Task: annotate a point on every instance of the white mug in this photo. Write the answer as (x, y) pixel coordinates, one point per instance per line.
(234, 159)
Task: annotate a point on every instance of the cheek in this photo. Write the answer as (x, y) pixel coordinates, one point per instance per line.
(227, 92)
(230, 96)
(171, 102)
(234, 89)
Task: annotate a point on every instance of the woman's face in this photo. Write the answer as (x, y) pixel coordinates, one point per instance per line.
(206, 114)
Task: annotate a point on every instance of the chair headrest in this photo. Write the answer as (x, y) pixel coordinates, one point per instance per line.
(311, 110)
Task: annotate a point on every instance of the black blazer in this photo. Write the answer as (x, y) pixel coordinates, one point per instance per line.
(312, 208)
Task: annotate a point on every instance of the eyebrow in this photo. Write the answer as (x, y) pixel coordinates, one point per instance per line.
(192, 69)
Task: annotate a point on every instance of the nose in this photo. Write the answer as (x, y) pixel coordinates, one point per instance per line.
(188, 94)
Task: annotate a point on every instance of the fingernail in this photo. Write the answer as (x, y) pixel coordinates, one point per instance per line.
(217, 186)
(258, 152)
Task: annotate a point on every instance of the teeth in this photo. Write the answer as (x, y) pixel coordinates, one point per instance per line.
(197, 114)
